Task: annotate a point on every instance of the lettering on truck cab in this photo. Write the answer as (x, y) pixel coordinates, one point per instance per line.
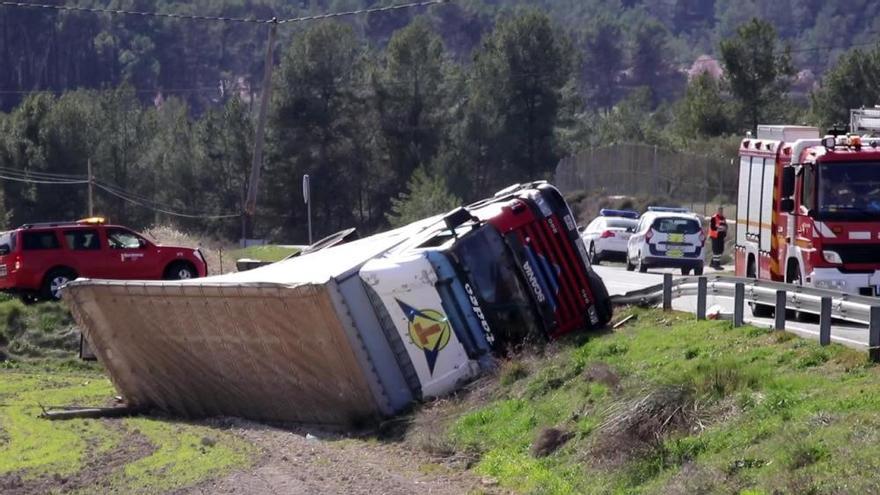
(533, 281)
(475, 305)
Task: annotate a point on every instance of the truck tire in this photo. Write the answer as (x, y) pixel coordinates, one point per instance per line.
(759, 310)
(698, 270)
(53, 281)
(601, 298)
(180, 270)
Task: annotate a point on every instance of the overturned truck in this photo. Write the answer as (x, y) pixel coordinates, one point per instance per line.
(354, 332)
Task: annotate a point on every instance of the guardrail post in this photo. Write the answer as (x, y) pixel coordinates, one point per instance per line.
(874, 335)
(825, 321)
(781, 298)
(667, 292)
(702, 291)
(739, 297)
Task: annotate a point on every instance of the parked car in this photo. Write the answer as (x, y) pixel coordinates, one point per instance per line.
(607, 235)
(667, 238)
(36, 260)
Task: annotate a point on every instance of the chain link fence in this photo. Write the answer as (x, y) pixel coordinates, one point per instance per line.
(630, 169)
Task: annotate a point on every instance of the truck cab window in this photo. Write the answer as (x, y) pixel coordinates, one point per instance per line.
(808, 193)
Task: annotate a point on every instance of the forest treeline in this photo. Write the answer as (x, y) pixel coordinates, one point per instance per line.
(392, 116)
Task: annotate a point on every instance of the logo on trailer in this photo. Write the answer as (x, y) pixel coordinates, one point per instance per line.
(428, 330)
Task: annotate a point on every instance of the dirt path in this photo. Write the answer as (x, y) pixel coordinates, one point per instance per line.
(295, 463)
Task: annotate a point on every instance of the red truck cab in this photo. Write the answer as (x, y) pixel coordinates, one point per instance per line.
(541, 234)
(36, 260)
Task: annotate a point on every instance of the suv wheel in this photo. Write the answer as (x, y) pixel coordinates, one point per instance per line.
(593, 258)
(180, 271)
(54, 281)
(643, 268)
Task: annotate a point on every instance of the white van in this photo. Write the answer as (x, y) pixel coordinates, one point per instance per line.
(667, 238)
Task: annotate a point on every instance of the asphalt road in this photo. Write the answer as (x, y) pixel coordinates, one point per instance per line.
(620, 281)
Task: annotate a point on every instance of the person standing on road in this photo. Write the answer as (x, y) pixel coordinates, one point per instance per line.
(718, 233)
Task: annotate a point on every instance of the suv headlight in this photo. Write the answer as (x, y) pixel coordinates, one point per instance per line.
(832, 257)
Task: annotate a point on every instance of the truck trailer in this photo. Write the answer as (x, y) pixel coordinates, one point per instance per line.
(354, 332)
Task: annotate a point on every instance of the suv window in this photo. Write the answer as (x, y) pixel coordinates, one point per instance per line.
(122, 239)
(677, 226)
(40, 240)
(82, 239)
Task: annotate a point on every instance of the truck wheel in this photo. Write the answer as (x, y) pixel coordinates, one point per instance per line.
(698, 270)
(685, 270)
(759, 310)
(600, 298)
(180, 271)
(55, 279)
(594, 258)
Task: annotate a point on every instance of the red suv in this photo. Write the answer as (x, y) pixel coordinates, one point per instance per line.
(37, 259)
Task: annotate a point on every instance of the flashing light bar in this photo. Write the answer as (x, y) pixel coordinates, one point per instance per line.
(92, 220)
(607, 212)
(668, 209)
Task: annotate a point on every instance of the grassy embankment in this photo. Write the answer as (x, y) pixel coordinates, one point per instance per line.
(671, 405)
(38, 368)
(269, 252)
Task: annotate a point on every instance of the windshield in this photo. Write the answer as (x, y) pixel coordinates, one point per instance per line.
(849, 190)
(488, 265)
(676, 226)
(629, 225)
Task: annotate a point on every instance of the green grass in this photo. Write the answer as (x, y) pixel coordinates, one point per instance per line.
(263, 253)
(750, 412)
(176, 454)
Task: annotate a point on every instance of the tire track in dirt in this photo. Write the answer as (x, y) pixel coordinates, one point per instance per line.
(297, 463)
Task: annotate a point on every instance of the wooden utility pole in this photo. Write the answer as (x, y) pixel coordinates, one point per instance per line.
(91, 188)
(250, 205)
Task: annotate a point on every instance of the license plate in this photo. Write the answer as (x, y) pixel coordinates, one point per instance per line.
(676, 238)
(675, 253)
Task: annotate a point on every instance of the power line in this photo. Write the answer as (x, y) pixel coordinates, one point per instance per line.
(62, 179)
(163, 210)
(195, 17)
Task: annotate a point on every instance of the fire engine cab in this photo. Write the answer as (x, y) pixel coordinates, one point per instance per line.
(808, 209)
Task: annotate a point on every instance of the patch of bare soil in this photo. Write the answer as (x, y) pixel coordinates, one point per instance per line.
(549, 441)
(300, 462)
(602, 373)
(96, 472)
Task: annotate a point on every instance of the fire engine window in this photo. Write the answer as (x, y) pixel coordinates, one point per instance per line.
(122, 239)
(808, 194)
(40, 240)
(82, 240)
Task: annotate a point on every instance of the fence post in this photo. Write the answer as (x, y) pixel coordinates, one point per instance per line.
(739, 297)
(702, 291)
(667, 292)
(825, 322)
(781, 298)
(874, 335)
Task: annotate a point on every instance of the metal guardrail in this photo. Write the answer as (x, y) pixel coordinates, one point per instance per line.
(828, 304)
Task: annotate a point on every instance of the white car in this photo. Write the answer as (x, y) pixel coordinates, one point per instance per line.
(667, 238)
(607, 235)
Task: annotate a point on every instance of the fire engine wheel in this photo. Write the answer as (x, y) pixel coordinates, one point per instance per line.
(759, 310)
(54, 281)
(794, 277)
(180, 271)
(594, 259)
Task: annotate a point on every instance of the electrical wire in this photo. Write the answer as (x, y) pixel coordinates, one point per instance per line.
(166, 211)
(42, 181)
(194, 17)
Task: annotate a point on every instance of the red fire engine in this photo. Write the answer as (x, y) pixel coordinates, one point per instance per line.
(808, 210)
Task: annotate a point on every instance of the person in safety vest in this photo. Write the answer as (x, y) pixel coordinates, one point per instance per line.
(718, 233)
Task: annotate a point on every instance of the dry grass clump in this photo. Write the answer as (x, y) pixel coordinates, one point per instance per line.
(635, 426)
